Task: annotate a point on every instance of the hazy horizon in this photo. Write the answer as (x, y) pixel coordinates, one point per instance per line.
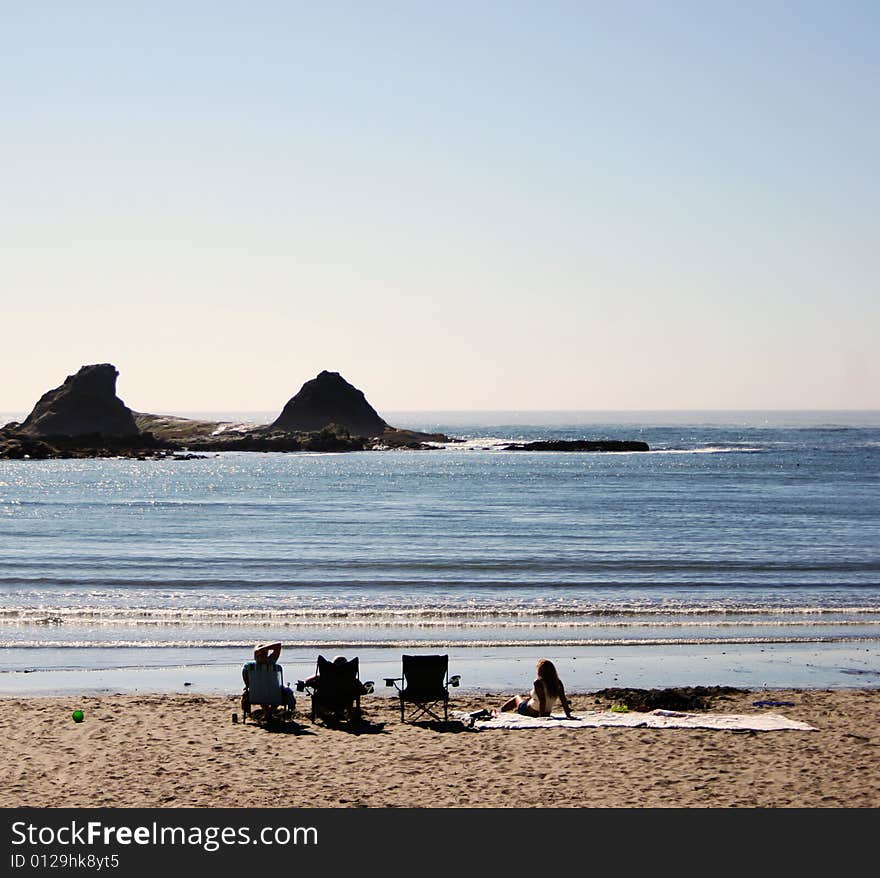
(421, 418)
(573, 206)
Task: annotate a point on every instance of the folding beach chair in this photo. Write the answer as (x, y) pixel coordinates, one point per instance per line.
(336, 690)
(264, 686)
(424, 686)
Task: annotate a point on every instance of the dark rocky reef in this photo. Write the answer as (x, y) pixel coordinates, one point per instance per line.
(86, 404)
(15, 445)
(577, 445)
(412, 439)
(329, 399)
(145, 446)
(331, 438)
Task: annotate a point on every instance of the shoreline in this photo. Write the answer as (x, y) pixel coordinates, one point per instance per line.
(171, 751)
(217, 671)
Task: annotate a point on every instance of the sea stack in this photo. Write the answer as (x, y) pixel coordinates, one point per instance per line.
(330, 399)
(85, 404)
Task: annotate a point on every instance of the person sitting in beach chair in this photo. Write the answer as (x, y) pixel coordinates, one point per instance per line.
(336, 690)
(547, 691)
(264, 683)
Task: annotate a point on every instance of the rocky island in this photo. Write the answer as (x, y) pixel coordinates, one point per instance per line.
(83, 417)
(329, 399)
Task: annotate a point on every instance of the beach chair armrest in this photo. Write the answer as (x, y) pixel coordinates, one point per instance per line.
(393, 681)
(455, 680)
(369, 687)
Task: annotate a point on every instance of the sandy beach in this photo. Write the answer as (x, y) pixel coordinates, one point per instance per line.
(185, 751)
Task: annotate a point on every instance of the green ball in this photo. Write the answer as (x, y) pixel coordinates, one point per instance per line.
(78, 716)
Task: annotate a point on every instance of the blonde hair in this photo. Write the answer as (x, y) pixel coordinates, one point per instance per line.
(548, 676)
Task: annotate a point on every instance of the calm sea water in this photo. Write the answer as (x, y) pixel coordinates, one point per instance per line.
(736, 533)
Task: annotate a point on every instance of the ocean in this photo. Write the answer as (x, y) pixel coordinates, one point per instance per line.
(743, 549)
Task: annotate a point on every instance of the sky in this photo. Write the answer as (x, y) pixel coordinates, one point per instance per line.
(629, 205)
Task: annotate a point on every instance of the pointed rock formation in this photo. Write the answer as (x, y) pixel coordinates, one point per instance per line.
(330, 399)
(85, 404)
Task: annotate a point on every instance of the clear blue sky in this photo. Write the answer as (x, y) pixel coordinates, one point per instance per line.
(458, 206)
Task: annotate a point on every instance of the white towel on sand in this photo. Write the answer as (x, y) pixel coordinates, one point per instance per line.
(656, 719)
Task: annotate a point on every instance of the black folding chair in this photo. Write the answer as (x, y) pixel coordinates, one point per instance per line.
(336, 690)
(424, 686)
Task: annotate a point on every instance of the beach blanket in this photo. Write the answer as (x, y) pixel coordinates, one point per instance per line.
(656, 719)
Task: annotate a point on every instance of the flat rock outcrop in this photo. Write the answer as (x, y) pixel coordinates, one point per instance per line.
(328, 439)
(397, 438)
(171, 428)
(329, 400)
(86, 404)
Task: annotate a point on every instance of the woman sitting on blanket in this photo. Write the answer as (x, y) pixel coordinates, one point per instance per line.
(547, 690)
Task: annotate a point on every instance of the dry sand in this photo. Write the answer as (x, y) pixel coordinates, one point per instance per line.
(184, 751)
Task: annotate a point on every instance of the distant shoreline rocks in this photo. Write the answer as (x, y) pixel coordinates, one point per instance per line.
(577, 445)
(84, 418)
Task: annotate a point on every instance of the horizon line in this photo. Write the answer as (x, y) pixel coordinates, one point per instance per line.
(518, 410)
